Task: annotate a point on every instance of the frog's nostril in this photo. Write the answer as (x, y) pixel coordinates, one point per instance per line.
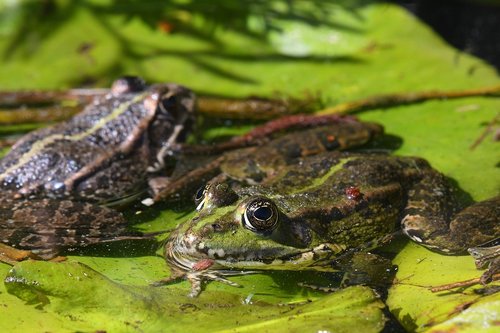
(216, 227)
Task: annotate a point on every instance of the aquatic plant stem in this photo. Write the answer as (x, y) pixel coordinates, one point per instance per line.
(383, 101)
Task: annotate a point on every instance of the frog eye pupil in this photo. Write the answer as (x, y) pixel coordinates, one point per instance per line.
(167, 105)
(263, 213)
(260, 216)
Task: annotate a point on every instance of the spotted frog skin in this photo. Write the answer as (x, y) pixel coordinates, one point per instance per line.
(56, 180)
(294, 210)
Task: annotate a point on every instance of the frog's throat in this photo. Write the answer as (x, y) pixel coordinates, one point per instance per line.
(181, 254)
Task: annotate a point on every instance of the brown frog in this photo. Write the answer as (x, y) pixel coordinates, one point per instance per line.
(57, 181)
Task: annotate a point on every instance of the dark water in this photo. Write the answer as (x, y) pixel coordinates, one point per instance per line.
(470, 26)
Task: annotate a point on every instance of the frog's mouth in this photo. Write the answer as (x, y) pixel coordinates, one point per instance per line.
(184, 253)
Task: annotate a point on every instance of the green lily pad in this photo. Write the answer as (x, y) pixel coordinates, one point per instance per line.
(418, 308)
(480, 316)
(94, 302)
(342, 51)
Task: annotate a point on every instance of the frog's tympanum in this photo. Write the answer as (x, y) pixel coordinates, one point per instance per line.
(56, 182)
(293, 205)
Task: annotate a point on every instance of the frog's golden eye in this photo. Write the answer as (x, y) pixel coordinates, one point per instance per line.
(261, 215)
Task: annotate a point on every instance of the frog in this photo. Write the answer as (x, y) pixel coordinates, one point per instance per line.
(62, 185)
(310, 198)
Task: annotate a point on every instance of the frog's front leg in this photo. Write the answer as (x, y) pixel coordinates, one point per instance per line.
(199, 274)
(432, 218)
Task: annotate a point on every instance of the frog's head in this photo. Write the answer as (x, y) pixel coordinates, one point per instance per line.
(242, 233)
(173, 107)
(170, 107)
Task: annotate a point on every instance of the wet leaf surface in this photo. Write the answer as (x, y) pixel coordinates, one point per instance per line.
(93, 301)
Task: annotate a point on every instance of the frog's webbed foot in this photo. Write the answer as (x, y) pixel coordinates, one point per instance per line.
(197, 278)
(487, 257)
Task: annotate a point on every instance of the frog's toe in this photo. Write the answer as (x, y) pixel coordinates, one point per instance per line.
(197, 278)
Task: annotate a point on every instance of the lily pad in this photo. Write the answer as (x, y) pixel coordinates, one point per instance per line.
(94, 302)
(341, 50)
(418, 308)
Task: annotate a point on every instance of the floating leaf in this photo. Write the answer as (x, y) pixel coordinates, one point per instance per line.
(94, 302)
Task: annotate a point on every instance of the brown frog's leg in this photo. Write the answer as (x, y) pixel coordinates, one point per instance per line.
(433, 220)
(189, 182)
(44, 226)
(431, 217)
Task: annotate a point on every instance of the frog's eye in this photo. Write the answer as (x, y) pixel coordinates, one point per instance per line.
(214, 195)
(128, 84)
(261, 215)
(200, 197)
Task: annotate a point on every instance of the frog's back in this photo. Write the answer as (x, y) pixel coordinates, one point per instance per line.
(336, 171)
(44, 159)
(346, 198)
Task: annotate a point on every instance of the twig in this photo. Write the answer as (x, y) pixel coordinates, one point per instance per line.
(382, 101)
(254, 107)
(6, 142)
(465, 283)
(15, 98)
(248, 108)
(37, 115)
(21, 107)
(486, 131)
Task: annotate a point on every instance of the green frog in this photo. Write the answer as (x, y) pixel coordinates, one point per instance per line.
(298, 203)
(58, 183)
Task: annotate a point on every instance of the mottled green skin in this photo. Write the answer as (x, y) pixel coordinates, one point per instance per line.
(260, 163)
(327, 205)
